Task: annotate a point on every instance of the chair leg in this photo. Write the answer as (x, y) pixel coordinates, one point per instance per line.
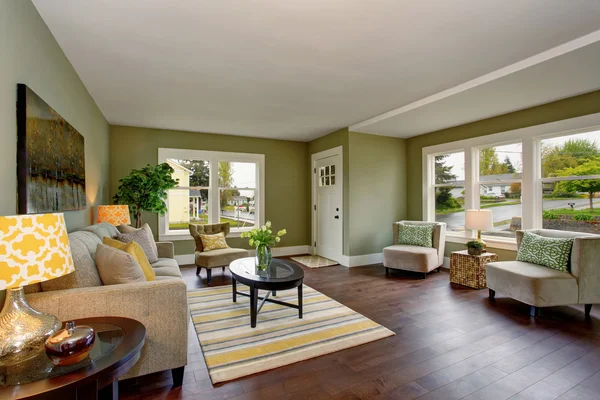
(588, 309)
(492, 294)
(177, 376)
(198, 270)
(424, 275)
(208, 276)
(387, 271)
(223, 267)
(535, 311)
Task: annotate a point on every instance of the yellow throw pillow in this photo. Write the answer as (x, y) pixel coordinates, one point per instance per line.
(136, 251)
(214, 242)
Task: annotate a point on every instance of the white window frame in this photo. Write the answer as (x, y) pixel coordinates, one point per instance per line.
(531, 181)
(213, 158)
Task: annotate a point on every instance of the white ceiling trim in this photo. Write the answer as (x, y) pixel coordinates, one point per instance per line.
(492, 76)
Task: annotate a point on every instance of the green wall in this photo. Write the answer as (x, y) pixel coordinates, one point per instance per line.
(334, 139)
(563, 109)
(286, 180)
(377, 194)
(29, 54)
(374, 187)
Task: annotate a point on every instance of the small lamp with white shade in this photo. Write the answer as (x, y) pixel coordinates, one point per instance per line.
(479, 220)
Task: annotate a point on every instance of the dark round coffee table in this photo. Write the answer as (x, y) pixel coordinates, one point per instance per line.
(280, 275)
(117, 348)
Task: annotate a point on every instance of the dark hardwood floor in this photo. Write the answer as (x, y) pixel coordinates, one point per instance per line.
(450, 343)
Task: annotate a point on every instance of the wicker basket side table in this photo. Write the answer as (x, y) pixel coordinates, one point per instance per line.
(468, 270)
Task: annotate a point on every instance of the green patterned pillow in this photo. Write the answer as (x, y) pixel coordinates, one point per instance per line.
(415, 235)
(549, 252)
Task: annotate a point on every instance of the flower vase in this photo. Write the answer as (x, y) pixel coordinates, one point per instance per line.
(263, 256)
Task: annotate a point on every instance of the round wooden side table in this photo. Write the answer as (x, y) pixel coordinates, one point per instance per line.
(117, 348)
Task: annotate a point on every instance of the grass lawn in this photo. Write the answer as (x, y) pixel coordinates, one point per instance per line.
(568, 211)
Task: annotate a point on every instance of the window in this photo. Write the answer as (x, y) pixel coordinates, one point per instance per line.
(499, 182)
(213, 187)
(545, 176)
(327, 175)
(450, 190)
(570, 187)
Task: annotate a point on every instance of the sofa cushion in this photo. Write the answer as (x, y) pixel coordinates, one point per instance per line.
(166, 267)
(532, 284)
(410, 258)
(213, 242)
(137, 252)
(117, 267)
(415, 235)
(546, 251)
(144, 238)
(219, 258)
(83, 249)
(102, 230)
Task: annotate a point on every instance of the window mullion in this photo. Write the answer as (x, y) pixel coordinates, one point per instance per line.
(531, 199)
(213, 192)
(471, 184)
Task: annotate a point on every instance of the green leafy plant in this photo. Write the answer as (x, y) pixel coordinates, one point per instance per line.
(474, 244)
(549, 214)
(583, 217)
(146, 190)
(263, 236)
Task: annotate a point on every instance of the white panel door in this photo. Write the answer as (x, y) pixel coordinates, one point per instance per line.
(328, 207)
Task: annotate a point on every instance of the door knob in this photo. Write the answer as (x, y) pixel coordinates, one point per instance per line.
(337, 217)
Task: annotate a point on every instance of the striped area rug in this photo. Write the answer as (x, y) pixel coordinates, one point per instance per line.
(233, 349)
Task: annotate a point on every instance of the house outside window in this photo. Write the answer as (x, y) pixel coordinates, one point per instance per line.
(213, 187)
(545, 176)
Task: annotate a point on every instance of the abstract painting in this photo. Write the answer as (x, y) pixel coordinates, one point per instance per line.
(50, 158)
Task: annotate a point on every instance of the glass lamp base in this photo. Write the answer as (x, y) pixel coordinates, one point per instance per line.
(23, 330)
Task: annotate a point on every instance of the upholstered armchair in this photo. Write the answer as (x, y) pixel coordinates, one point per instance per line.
(213, 258)
(540, 286)
(416, 258)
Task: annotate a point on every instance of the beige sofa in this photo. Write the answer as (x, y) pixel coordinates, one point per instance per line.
(416, 258)
(540, 286)
(160, 305)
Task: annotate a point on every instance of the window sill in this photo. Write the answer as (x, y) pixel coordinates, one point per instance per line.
(491, 242)
(173, 237)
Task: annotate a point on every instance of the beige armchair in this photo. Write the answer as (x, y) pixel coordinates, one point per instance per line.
(416, 258)
(540, 286)
(213, 258)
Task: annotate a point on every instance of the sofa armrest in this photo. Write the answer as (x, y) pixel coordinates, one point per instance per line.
(165, 249)
(160, 305)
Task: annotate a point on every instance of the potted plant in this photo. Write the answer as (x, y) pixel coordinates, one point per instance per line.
(263, 238)
(146, 190)
(474, 247)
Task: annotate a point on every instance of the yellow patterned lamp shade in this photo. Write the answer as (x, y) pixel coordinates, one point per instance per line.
(114, 214)
(33, 248)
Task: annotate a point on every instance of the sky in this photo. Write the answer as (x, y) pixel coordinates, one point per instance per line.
(244, 175)
(513, 151)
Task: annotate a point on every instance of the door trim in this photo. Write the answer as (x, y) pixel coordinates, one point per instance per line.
(314, 157)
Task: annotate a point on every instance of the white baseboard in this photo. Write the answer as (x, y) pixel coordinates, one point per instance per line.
(446, 263)
(364, 259)
(186, 259)
(346, 261)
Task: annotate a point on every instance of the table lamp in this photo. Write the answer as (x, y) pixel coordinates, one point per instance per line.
(33, 248)
(116, 214)
(479, 220)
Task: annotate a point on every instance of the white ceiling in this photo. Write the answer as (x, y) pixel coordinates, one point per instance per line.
(298, 69)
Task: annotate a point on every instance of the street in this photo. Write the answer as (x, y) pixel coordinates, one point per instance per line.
(456, 221)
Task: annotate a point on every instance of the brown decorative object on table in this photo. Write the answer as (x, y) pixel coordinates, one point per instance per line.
(469, 270)
(70, 345)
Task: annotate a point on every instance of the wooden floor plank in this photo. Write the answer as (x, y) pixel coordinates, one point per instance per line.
(450, 343)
